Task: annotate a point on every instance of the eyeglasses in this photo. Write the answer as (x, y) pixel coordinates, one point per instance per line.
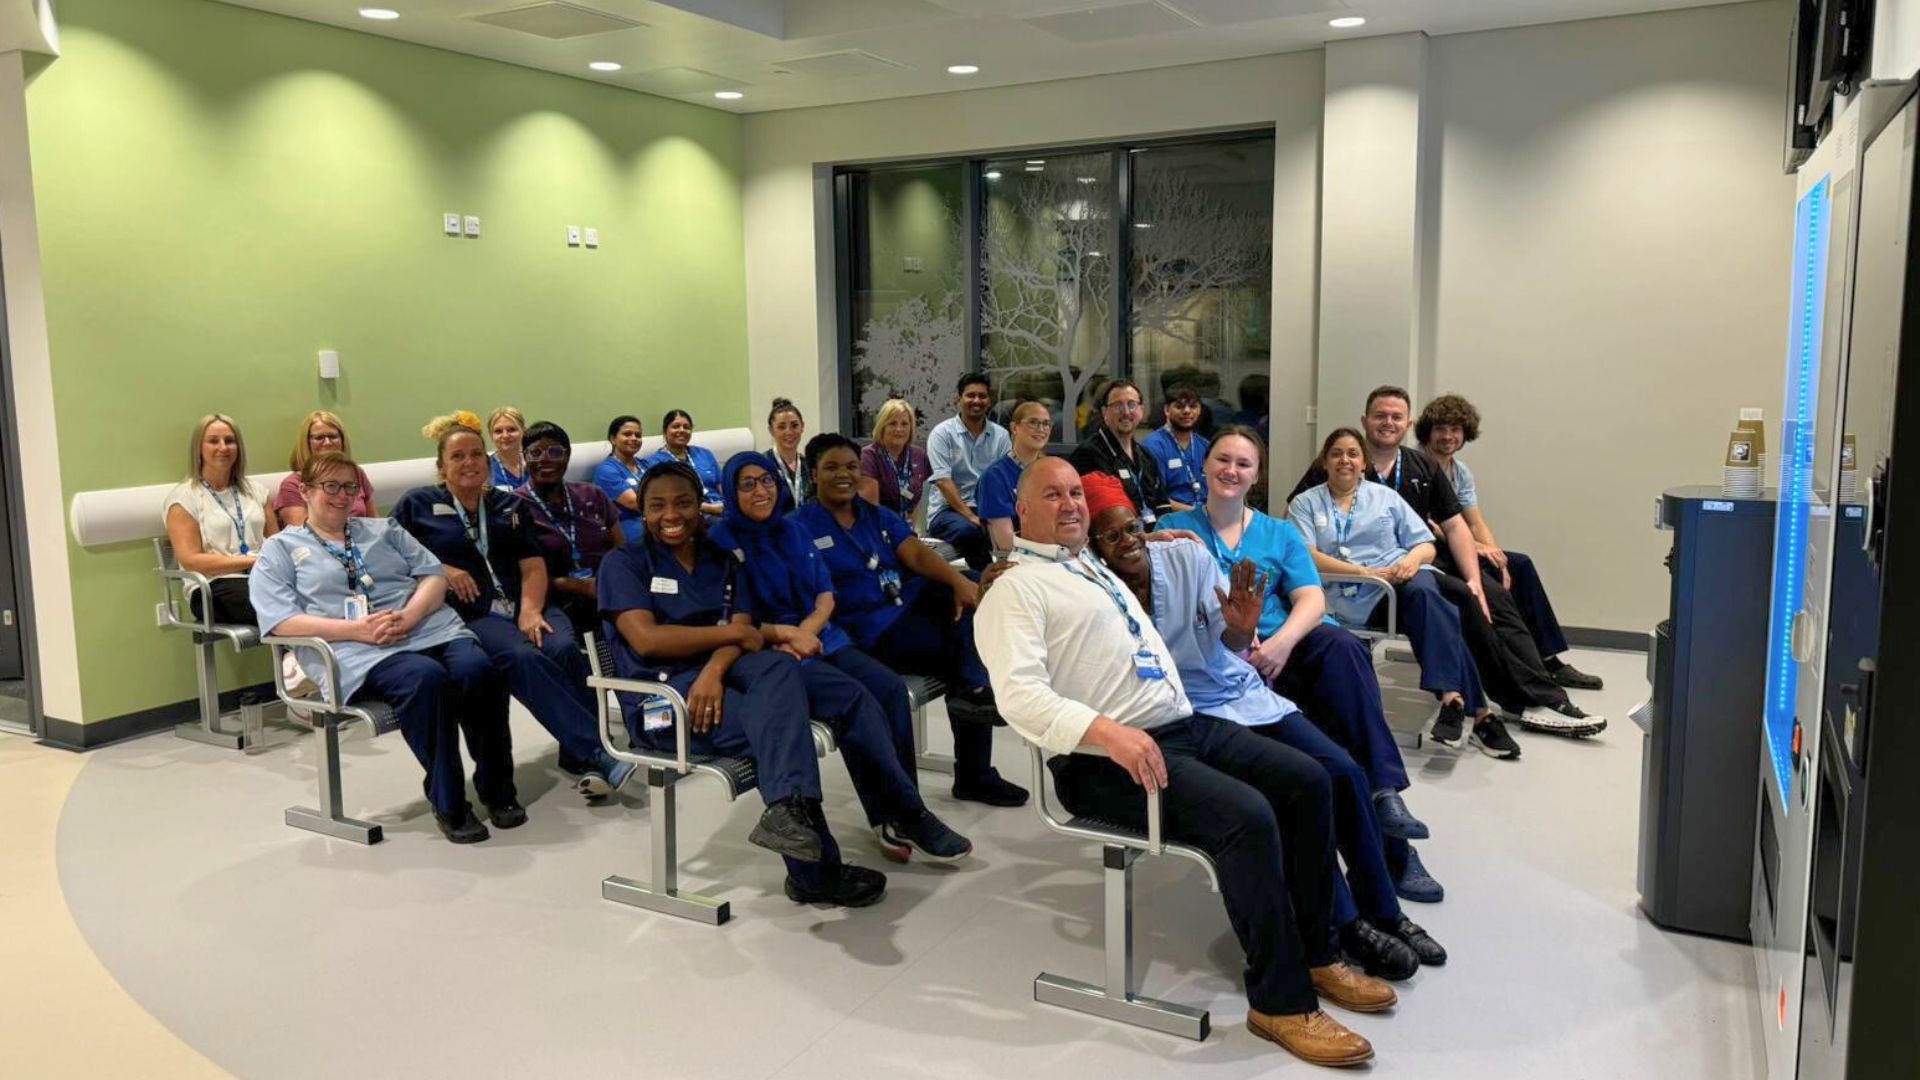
(1036, 424)
(329, 437)
(754, 483)
(350, 488)
(1124, 406)
(551, 453)
(1121, 532)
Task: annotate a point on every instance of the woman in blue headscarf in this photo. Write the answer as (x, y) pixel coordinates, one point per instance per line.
(793, 601)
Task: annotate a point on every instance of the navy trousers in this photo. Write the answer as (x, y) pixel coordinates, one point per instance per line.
(1433, 625)
(890, 690)
(867, 739)
(1235, 796)
(926, 640)
(1503, 649)
(551, 681)
(1355, 832)
(968, 539)
(436, 694)
(1330, 675)
(1530, 595)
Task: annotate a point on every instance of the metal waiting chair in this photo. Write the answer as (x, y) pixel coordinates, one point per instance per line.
(923, 690)
(214, 727)
(1391, 643)
(328, 715)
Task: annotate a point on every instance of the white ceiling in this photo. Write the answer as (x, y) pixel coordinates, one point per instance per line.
(687, 49)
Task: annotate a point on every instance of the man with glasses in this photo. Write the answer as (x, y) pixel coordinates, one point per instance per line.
(1113, 450)
(961, 448)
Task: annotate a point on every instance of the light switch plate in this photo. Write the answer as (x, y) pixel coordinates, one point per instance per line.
(452, 224)
(329, 364)
(473, 226)
(573, 236)
(593, 237)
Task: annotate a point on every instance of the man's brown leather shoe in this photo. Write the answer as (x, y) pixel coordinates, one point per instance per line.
(1351, 989)
(1312, 1037)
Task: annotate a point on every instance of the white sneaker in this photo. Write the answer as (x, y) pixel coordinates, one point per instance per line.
(298, 685)
(1565, 719)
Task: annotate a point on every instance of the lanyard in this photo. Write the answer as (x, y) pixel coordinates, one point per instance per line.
(237, 512)
(902, 472)
(349, 557)
(1397, 471)
(791, 476)
(1343, 528)
(571, 529)
(1218, 545)
(872, 557)
(477, 534)
(1078, 568)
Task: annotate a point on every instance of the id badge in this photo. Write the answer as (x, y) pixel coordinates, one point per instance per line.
(1349, 590)
(1147, 666)
(1346, 552)
(890, 584)
(502, 607)
(357, 607)
(656, 715)
(581, 574)
(1148, 518)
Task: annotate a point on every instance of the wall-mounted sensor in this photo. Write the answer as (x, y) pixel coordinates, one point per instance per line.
(329, 364)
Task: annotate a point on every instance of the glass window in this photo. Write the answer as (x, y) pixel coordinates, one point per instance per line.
(1201, 277)
(1047, 285)
(907, 266)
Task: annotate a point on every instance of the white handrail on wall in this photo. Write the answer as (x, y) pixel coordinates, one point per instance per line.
(133, 513)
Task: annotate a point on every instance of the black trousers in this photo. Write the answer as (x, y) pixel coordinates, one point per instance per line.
(1511, 669)
(1235, 796)
(231, 601)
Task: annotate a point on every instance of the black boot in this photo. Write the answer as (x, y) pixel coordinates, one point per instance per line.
(1377, 952)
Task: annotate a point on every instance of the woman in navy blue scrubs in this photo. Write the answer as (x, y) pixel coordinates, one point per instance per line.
(368, 587)
(906, 607)
(683, 609)
(677, 430)
(497, 580)
(793, 599)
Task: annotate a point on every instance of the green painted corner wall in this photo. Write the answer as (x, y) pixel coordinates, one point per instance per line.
(222, 193)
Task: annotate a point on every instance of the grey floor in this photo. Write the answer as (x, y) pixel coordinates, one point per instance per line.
(283, 954)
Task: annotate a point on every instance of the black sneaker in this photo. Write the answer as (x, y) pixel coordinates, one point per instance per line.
(784, 830)
(844, 886)
(461, 826)
(1377, 952)
(1562, 718)
(974, 707)
(1571, 677)
(993, 789)
(508, 815)
(1490, 735)
(923, 833)
(1423, 945)
(1449, 730)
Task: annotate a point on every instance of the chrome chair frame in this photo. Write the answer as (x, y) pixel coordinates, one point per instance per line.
(1394, 645)
(174, 613)
(328, 715)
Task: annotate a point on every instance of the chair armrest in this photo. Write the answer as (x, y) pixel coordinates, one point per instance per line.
(1155, 844)
(1393, 595)
(330, 694)
(601, 684)
(174, 608)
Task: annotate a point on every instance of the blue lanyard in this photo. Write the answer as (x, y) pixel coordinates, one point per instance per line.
(478, 535)
(872, 557)
(1343, 529)
(237, 512)
(570, 530)
(1101, 578)
(349, 558)
(1397, 471)
(1217, 545)
(902, 472)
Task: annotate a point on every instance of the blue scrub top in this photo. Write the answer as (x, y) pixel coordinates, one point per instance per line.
(1273, 546)
(297, 575)
(1180, 468)
(502, 479)
(999, 486)
(1381, 530)
(643, 576)
(432, 516)
(1463, 486)
(703, 462)
(616, 480)
(1186, 612)
(859, 605)
(800, 571)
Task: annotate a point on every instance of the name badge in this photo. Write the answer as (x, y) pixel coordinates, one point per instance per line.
(442, 510)
(300, 555)
(506, 609)
(1147, 666)
(823, 542)
(1124, 474)
(1176, 463)
(666, 586)
(633, 481)
(1320, 520)
(656, 715)
(355, 608)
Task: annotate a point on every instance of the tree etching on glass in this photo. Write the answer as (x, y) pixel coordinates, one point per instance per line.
(914, 353)
(1198, 249)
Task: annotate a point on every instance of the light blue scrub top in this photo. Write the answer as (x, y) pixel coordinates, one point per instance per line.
(1186, 612)
(1274, 548)
(1380, 530)
(297, 575)
(958, 455)
(1463, 488)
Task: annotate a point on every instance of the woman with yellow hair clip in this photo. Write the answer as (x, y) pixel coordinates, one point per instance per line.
(497, 582)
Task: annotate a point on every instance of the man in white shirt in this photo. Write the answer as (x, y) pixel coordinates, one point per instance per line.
(1076, 663)
(959, 449)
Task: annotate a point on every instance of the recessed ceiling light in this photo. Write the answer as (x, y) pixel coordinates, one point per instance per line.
(728, 95)
(963, 69)
(1347, 22)
(1035, 161)
(604, 65)
(1143, 224)
(993, 174)
(379, 14)
(1088, 179)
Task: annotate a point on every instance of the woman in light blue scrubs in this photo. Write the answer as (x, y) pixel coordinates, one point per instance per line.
(677, 429)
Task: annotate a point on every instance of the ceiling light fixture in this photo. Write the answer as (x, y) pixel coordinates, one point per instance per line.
(1347, 22)
(1035, 161)
(604, 65)
(963, 69)
(379, 14)
(993, 174)
(1088, 179)
(728, 95)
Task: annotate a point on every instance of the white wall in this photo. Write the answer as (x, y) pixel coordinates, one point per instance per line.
(1614, 238)
(1896, 39)
(790, 330)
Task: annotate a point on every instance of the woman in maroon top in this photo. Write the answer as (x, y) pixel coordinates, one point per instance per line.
(320, 433)
(897, 469)
(576, 524)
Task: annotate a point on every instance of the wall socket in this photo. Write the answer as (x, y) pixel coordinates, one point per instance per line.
(451, 222)
(593, 237)
(573, 236)
(473, 226)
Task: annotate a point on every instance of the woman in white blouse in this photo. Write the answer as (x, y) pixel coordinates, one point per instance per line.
(218, 519)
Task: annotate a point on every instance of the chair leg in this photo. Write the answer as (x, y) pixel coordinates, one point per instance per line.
(331, 819)
(663, 893)
(209, 728)
(1117, 1000)
(931, 762)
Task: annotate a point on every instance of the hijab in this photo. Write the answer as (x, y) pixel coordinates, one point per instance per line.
(782, 567)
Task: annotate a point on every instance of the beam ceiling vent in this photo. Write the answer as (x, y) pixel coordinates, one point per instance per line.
(556, 21)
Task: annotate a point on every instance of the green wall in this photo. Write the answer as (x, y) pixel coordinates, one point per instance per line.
(222, 193)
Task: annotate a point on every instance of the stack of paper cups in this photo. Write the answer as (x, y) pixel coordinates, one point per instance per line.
(1751, 422)
(1849, 471)
(1741, 475)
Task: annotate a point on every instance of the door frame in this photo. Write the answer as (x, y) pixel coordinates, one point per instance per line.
(15, 513)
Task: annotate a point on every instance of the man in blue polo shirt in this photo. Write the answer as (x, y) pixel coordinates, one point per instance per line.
(960, 448)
